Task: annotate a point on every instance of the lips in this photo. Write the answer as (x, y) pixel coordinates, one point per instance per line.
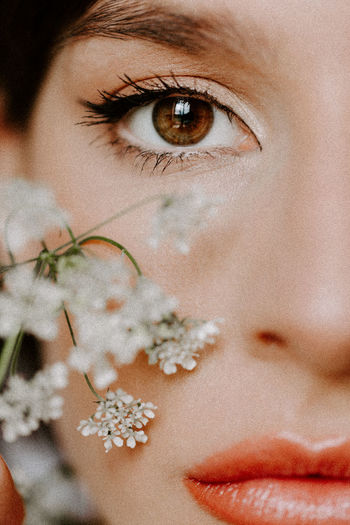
(273, 480)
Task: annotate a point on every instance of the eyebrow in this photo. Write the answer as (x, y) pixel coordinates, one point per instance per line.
(145, 20)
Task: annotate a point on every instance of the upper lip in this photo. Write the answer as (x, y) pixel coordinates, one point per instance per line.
(281, 455)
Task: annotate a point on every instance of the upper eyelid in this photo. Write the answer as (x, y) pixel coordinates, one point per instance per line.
(146, 92)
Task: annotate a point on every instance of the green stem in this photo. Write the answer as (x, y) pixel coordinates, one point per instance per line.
(69, 326)
(38, 266)
(4, 269)
(12, 346)
(41, 269)
(12, 258)
(71, 234)
(144, 201)
(6, 356)
(75, 344)
(113, 243)
(16, 353)
(100, 398)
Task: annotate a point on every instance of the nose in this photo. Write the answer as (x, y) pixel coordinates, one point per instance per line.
(300, 289)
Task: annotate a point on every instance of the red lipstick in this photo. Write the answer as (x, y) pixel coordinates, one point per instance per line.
(275, 480)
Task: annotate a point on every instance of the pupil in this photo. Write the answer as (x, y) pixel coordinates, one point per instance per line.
(182, 120)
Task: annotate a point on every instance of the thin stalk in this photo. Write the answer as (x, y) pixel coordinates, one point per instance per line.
(12, 346)
(69, 326)
(75, 344)
(100, 398)
(6, 356)
(113, 243)
(8, 218)
(16, 353)
(144, 201)
(16, 348)
(41, 269)
(12, 257)
(4, 269)
(71, 234)
(38, 265)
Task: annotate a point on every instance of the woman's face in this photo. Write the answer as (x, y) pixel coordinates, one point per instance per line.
(274, 263)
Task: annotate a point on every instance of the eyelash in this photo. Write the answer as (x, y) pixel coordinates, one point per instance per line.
(115, 106)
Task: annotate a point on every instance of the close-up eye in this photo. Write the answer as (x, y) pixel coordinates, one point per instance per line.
(169, 121)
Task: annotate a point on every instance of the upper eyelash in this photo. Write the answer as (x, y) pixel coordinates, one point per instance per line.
(114, 106)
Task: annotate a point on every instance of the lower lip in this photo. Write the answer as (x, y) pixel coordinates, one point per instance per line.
(276, 501)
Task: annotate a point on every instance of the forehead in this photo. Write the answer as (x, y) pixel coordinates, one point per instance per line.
(245, 27)
(244, 14)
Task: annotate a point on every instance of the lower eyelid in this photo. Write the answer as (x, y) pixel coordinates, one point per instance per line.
(162, 163)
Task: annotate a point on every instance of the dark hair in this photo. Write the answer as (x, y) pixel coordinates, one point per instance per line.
(29, 30)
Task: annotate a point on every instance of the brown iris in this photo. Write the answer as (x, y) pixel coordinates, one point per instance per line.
(182, 121)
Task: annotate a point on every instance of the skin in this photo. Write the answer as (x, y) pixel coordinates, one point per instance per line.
(274, 264)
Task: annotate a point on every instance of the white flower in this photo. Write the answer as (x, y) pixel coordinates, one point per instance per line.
(24, 404)
(121, 332)
(88, 427)
(91, 282)
(144, 322)
(80, 359)
(127, 342)
(28, 211)
(95, 333)
(85, 359)
(147, 303)
(30, 303)
(181, 215)
(177, 342)
(118, 420)
(104, 374)
(56, 376)
(103, 333)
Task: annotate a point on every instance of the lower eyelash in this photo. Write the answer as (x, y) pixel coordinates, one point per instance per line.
(160, 160)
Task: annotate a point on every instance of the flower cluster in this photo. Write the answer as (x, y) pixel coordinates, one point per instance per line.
(27, 212)
(118, 420)
(179, 216)
(112, 314)
(25, 403)
(120, 332)
(29, 303)
(176, 342)
(145, 320)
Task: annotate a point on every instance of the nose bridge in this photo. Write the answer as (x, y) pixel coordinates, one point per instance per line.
(307, 284)
(317, 203)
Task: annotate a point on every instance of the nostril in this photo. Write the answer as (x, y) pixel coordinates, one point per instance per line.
(270, 338)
